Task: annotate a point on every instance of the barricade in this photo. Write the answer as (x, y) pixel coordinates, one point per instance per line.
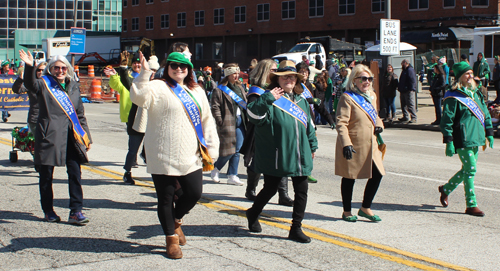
(91, 70)
(95, 91)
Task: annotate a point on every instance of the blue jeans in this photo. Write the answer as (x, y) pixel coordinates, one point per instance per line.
(437, 106)
(234, 159)
(5, 114)
(329, 105)
(134, 142)
(390, 106)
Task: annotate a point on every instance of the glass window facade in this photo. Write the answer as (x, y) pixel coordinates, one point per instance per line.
(95, 15)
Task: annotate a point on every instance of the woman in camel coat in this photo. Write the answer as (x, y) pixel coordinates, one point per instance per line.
(357, 154)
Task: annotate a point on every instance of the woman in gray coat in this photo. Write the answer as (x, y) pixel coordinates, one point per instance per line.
(62, 137)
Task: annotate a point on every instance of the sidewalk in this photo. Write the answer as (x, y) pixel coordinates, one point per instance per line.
(425, 113)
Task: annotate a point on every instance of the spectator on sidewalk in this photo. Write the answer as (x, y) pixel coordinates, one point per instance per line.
(407, 88)
(389, 87)
(437, 91)
(481, 69)
(446, 69)
(496, 78)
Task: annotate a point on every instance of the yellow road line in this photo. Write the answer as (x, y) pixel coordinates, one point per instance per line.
(148, 184)
(354, 239)
(333, 241)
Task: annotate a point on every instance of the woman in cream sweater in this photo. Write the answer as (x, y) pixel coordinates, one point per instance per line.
(173, 145)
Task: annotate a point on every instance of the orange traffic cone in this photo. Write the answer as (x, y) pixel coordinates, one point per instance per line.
(91, 70)
(95, 91)
(117, 95)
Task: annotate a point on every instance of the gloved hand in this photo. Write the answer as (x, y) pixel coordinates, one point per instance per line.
(317, 101)
(124, 58)
(490, 140)
(348, 150)
(378, 130)
(450, 149)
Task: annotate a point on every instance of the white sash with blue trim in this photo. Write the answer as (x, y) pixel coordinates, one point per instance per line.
(365, 105)
(62, 98)
(233, 96)
(292, 109)
(469, 103)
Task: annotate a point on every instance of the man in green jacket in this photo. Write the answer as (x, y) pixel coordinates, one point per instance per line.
(481, 69)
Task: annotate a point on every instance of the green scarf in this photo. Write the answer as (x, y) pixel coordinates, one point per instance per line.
(366, 96)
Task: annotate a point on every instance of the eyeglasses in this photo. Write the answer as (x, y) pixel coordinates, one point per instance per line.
(274, 70)
(364, 78)
(288, 77)
(58, 68)
(175, 66)
(39, 70)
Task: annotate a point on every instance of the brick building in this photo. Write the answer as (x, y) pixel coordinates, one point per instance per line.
(239, 30)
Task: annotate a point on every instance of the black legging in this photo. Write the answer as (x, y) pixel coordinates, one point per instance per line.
(270, 188)
(191, 184)
(370, 190)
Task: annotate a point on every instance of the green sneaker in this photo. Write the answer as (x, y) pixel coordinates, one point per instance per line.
(311, 179)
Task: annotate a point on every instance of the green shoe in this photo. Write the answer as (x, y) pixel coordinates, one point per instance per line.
(374, 218)
(311, 179)
(351, 218)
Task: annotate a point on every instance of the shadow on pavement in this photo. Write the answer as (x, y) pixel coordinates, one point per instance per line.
(109, 204)
(396, 207)
(10, 215)
(95, 245)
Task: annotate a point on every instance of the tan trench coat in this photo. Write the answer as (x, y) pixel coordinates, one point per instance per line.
(355, 128)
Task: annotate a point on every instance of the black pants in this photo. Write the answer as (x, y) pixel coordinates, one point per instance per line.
(74, 182)
(191, 185)
(270, 188)
(370, 190)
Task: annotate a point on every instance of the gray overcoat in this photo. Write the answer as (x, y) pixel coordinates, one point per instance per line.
(54, 129)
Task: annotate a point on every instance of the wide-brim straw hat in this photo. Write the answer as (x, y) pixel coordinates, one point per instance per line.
(286, 67)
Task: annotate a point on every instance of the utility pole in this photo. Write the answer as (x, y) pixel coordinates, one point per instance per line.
(75, 17)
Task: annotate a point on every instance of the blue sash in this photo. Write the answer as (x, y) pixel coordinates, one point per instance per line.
(469, 103)
(234, 96)
(307, 93)
(134, 74)
(192, 110)
(67, 106)
(365, 105)
(291, 108)
(255, 90)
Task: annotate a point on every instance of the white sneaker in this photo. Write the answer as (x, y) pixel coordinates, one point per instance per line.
(215, 175)
(233, 179)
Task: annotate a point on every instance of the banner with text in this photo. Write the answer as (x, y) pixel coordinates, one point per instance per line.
(10, 101)
(390, 35)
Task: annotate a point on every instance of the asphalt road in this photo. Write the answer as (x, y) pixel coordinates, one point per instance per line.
(124, 232)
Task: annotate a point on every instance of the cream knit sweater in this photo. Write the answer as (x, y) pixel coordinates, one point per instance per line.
(170, 140)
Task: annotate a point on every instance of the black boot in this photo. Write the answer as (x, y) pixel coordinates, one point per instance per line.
(252, 181)
(284, 199)
(253, 221)
(297, 235)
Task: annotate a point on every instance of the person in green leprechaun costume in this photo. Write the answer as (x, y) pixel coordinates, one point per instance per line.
(465, 124)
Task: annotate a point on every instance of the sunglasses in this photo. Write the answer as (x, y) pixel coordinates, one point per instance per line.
(364, 78)
(175, 66)
(288, 77)
(58, 68)
(39, 70)
(274, 70)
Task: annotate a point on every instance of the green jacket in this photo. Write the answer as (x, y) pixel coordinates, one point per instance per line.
(481, 68)
(125, 103)
(283, 145)
(460, 126)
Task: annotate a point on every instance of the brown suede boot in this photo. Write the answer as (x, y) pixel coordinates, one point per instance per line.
(179, 232)
(173, 248)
